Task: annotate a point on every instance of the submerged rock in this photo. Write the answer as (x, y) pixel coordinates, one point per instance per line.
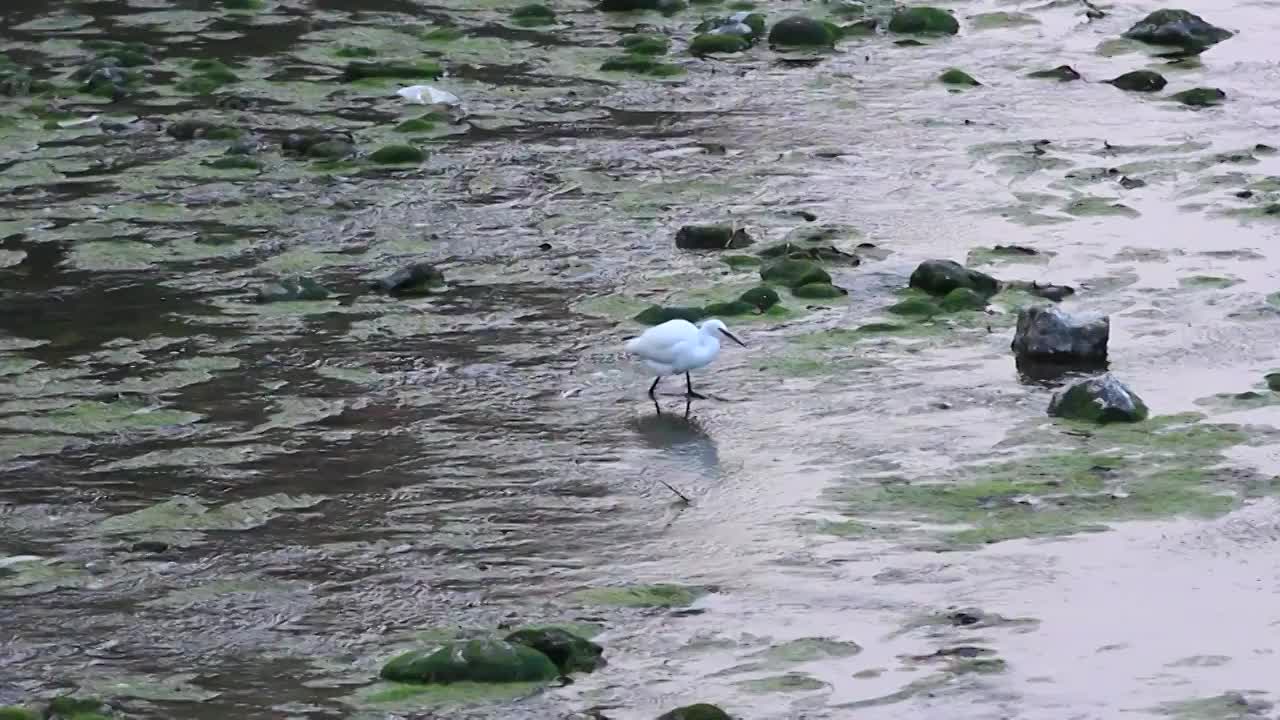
(923, 20)
(712, 237)
(1179, 28)
(794, 273)
(657, 314)
(1048, 334)
(1140, 81)
(711, 43)
(481, 661)
(415, 279)
(762, 298)
(700, 711)
(801, 31)
(1063, 73)
(939, 277)
(1200, 97)
(1102, 400)
(956, 76)
(819, 291)
(291, 290)
(569, 652)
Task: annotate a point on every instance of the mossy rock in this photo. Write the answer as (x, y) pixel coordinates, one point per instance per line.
(1273, 381)
(712, 237)
(330, 150)
(729, 309)
(1062, 73)
(1200, 97)
(638, 596)
(483, 660)
(397, 155)
(956, 76)
(915, 307)
(819, 291)
(699, 711)
(70, 707)
(963, 298)
(1179, 28)
(241, 4)
(666, 7)
(794, 273)
(940, 277)
(800, 31)
(1140, 81)
(923, 21)
(414, 279)
(762, 298)
(741, 262)
(1099, 400)
(405, 71)
(862, 28)
(569, 652)
(645, 44)
(234, 162)
(657, 314)
(13, 712)
(711, 43)
(416, 125)
(533, 15)
(640, 65)
(356, 52)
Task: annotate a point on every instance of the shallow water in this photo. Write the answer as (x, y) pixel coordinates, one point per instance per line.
(329, 483)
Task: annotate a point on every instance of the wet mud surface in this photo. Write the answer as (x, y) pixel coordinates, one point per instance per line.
(212, 506)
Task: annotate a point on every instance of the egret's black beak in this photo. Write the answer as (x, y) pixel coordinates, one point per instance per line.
(731, 337)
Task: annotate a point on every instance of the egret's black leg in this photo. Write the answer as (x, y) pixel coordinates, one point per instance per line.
(689, 384)
(654, 387)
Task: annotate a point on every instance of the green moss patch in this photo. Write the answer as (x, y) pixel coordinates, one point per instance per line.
(398, 155)
(637, 64)
(637, 596)
(645, 44)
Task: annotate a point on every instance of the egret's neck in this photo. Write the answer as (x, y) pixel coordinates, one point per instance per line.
(708, 336)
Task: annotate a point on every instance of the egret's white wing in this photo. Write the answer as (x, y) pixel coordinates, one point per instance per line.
(659, 343)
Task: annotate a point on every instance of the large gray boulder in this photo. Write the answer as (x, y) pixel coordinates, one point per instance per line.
(1048, 334)
(1103, 399)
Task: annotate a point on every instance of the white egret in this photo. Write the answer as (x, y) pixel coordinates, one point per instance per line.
(678, 346)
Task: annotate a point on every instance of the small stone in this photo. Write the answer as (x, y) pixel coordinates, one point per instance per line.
(397, 155)
(1048, 334)
(1273, 381)
(712, 237)
(1200, 97)
(957, 77)
(801, 31)
(1140, 81)
(1129, 183)
(1101, 400)
(819, 291)
(794, 273)
(1063, 73)
(415, 279)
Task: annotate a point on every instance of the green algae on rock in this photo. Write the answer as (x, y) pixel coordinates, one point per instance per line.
(741, 262)
(533, 15)
(785, 683)
(569, 652)
(70, 707)
(1062, 73)
(18, 713)
(794, 273)
(940, 277)
(801, 31)
(1101, 400)
(712, 237)
(698, 711)
(711, 43)
(808, 649)
(664, 595)
(645, 44)
(397, 155)
(819, 291)
(963, 298)
(731, 308)
(955, 76)
(762, 298)
(1200, 97)
(923, 307)
(483, 660)
(1179, 28)
(923, 21)
(1140, 81)
(995, 20)
(640, 65)
(657, 314)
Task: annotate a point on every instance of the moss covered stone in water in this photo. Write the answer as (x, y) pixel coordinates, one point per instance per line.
(794, 273)
(18, 713)
(819, 291)
(729, 309)
(957, 77)
(367, 70)
(762, 298)
(640, 65)
(915, 307)
(1100, 400)
(397, 155)
(642, 596)
(712, 237)
(533, 15)
(1063, 73)
(711, 43)
(645, 44)
(657, 314)
(330, 150)
(923, 21)
(443, 34)
(801, 31)
(69, 707)
(234, 162)
(699, 711)
(1200, 97)
(356, 52)
(741, 262)
(1140, 81)
(939, 277)
(484, 660)
(426, 123)
(963, 299)
(569, 652)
